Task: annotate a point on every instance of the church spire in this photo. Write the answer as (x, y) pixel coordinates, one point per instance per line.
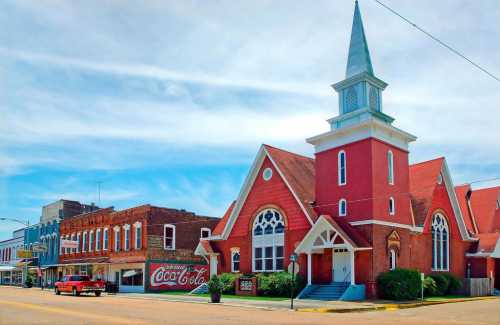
(359, 56)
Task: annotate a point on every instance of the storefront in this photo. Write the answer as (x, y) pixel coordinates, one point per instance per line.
(98, 271)
(10, 275)
(128, 276)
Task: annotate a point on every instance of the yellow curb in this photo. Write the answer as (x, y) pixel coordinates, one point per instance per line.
(391, 307)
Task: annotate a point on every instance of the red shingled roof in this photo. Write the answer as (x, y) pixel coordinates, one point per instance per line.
(423, 181)
(461, 192)
(206, 246)
(298, 171)
(487, 242)
(342, 225)
(484, 203)
(222, 223)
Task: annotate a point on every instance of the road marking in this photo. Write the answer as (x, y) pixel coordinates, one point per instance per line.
(63, 311)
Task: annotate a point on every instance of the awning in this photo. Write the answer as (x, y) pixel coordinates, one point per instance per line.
(5, 268)
(129, 273)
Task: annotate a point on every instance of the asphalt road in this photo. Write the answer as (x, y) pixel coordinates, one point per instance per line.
(32, 306)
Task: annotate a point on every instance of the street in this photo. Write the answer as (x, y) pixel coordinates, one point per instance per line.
(32, 306)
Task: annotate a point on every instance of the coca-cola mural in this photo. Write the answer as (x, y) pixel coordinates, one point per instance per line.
(169, 276)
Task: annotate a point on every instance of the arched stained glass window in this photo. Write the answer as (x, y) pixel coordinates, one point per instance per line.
(268, 241)
(440, 243)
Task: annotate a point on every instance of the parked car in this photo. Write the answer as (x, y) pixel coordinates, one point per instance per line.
(77, 284)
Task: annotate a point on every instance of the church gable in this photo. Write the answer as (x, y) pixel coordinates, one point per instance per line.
(273, 183)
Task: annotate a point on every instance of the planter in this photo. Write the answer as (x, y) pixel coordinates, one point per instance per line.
(215, 297)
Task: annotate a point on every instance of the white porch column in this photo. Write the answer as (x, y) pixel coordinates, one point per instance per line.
(309, 270)
(352, 267)
(213, 265)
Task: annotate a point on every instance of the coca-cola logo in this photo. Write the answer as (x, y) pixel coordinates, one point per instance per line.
(178, 275)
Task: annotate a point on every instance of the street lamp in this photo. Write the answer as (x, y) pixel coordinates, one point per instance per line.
(24, 223)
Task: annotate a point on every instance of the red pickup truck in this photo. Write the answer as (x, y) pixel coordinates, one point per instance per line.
(77, 284)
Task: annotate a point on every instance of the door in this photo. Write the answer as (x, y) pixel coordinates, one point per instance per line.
(341, 265)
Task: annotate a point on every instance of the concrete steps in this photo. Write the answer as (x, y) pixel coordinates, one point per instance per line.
(331, 291)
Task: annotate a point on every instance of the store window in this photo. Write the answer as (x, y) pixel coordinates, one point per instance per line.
(132, 277)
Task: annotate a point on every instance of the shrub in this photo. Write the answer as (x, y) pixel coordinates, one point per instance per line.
(399, 284)
(278, 284)
(214, 285)
(442, 283)
(446, 283)
(228, 281)
(430, 287)
(29, 282)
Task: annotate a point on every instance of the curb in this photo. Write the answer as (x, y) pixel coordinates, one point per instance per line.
(392, 307)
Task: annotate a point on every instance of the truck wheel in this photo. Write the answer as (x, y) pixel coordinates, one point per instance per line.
(97, 293)
(57, 291)
(75, 292)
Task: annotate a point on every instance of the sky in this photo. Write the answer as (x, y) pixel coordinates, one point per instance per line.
(167, 102)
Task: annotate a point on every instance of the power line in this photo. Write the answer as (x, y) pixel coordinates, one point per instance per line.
(442, 43)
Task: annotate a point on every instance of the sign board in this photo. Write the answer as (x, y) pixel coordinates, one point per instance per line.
(170, 276)
(65, 243)
(22, 253)
(290, 267)
(246, 284)
(39, 248)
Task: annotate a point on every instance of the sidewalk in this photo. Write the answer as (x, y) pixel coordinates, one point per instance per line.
(298, 304)
(301, 305)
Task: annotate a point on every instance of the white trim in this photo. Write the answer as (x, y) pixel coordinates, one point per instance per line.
(339, 171)
(91, 241)
(105, 231)
(342, 214)
(247, 186)
(392, 206)
(126, 237)
(205, 229)
(477, 255)
(454, 202)
(165, 236)
(137, 226)
(369, 128)
(85, 241)
(235, 251)
(316, 230)
(390, 167)
(117, 243)
(98, 240)
(386, 223)
(393, 259)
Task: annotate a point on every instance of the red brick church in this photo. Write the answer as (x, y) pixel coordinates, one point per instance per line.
(358, 207)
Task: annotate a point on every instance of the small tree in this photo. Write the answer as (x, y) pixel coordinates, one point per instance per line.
(215, 288)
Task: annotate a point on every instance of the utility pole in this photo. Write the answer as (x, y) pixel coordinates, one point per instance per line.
(99, 193)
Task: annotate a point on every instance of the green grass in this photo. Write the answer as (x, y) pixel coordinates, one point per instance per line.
(441, 298)
(185, 293)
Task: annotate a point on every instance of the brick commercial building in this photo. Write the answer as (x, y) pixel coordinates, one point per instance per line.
(358, 208)
(144, 248)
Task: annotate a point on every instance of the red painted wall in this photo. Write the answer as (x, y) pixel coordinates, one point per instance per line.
(273, 193)
(367, 190)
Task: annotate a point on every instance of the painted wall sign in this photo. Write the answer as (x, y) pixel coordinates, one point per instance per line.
(169, 276)
(69, 243)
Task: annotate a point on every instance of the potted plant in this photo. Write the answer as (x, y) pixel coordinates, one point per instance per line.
(28, 283)
(215, 289)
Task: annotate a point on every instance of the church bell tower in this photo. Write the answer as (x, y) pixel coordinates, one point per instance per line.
(362, 169)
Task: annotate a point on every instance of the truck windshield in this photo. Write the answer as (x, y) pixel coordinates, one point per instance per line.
(80, 278)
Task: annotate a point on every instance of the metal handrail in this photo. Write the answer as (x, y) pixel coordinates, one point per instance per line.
(348, 275)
